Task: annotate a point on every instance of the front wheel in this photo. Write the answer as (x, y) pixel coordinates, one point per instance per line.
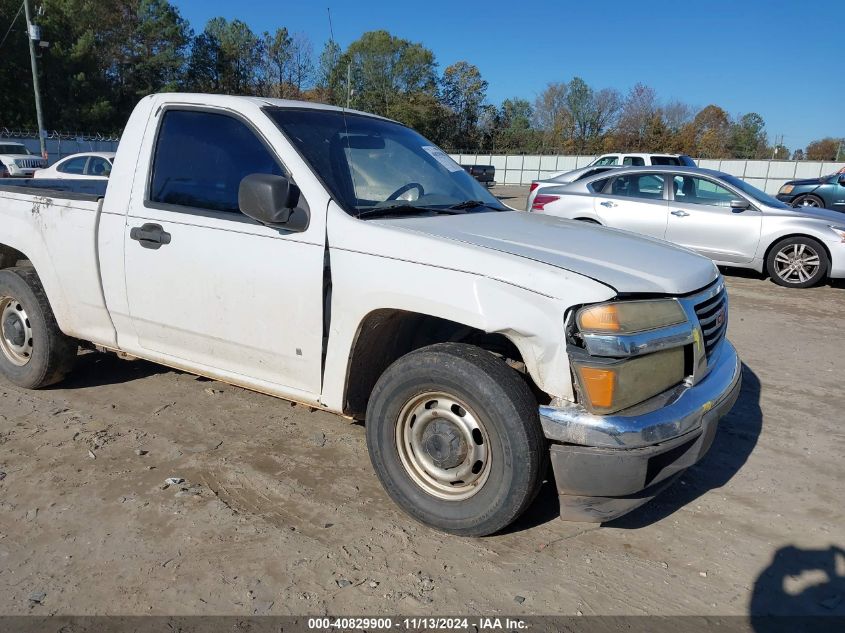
(797, 262)
(454, 436)
(808, 200)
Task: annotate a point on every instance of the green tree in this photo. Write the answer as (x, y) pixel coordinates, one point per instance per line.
(748, 137)
(225, 58)
(387, 72)
(276, 62)
(330, 84)
(463, 91)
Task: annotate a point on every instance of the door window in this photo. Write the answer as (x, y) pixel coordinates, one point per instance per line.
(691, 190)
(633, 161)
(74, 166)
(98, 167)
(607, 160)
(665, 160)
(201, 159)
(649, 186)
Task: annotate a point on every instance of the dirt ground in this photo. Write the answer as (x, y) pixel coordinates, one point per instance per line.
(280, 512)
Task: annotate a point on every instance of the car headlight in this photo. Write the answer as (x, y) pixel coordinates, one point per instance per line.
(786, 189)
(839, 230)
(627, 317)
(608, 385)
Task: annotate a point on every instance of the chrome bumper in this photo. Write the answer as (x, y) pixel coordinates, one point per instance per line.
(605, 466)
(660, 419)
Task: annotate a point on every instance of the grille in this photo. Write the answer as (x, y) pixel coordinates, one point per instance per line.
(29, 163)
(713, 318)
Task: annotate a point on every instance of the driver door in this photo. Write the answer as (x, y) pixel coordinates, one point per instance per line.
(208, 287)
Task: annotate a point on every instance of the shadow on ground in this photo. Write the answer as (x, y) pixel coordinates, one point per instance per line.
(95, 369)
(800, 590)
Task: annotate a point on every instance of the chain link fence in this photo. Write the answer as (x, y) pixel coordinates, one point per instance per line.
(60, 144)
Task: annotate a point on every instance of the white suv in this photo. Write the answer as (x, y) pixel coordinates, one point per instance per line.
(16, 161)
(641, 160)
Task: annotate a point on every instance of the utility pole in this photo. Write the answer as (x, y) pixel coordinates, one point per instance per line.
(31, 32)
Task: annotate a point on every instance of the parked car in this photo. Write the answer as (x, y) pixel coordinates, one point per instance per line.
(16, 161)
(826, 192)
(564, 178)
(341, 260)
(641, 160)
(80, 166)
(485, 174)
(713, 213)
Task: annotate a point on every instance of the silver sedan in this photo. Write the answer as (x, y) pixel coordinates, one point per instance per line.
(713, 213)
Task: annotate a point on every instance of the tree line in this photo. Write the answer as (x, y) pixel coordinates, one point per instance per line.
(104, 55)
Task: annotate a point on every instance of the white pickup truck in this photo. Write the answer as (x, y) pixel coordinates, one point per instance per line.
(340, 260)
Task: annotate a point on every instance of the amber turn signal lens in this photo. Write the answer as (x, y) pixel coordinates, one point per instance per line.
(599, 385)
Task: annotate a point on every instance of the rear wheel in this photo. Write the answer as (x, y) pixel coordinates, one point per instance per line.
(797, 262)
(808, 200)
(455, 438)
(34, 352)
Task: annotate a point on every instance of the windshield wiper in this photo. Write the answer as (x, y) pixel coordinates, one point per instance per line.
(474, 204)
(401, 209)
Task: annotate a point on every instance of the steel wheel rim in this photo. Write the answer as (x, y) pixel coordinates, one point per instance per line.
(15, 332)
(809, 202)
(443, 446)
(797, 263)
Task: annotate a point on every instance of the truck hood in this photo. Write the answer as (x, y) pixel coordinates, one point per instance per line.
(16, 156)
(627, 262)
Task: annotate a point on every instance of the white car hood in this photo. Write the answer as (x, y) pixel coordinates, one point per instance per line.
(627, 262)
(16, 156)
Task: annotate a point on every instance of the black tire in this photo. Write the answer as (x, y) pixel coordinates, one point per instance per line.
(498, 399)
(588, 221)
(778, 257)
(50, 354)
(808, 200)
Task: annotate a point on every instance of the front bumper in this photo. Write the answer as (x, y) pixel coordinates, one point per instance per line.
(605, 466)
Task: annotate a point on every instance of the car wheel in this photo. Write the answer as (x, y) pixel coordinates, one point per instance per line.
(34, 352)
(808, 200)
(454, 436)
(588, 220)
(797, 262)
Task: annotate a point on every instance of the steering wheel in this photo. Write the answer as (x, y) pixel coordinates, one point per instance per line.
(406, 189)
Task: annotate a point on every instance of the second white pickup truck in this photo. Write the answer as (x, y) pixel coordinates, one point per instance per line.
(343, 261)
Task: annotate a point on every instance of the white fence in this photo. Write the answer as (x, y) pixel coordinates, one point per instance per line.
(767, 175)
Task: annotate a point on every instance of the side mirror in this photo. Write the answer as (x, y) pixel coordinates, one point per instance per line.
(738, 206)
(842, 180)
(268, 198)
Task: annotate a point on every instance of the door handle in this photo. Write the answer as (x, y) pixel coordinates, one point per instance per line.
(151, 236)
(679, 213)
(608, 204)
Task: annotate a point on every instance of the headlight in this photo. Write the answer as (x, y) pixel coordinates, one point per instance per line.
(839, 230)
(786, 189)
(627, 317)
(610, 387)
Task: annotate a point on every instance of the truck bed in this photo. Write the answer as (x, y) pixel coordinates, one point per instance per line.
(69, 189)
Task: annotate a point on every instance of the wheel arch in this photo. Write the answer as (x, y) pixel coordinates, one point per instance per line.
(781, 238)
(385, 335)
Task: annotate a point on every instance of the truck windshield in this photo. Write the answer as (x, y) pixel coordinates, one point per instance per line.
(14, 149)
(370, 164)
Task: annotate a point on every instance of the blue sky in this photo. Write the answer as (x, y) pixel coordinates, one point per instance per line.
(782, 59)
